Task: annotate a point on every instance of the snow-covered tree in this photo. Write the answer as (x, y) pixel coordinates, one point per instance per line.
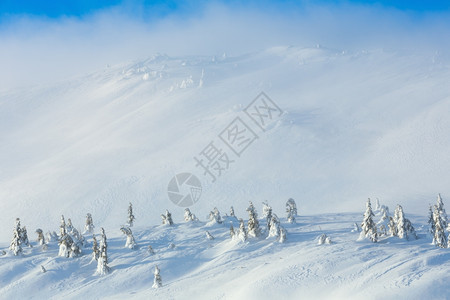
(150, 250)
(131, 217)
(383, 223)
(209, 235)
(440, 240)
(283, 235)
(324, 239)
(232, 233)
(130, 243)
(392, 227)
(356, 228)
(404, 226)
(89, 226)
(431, 226)
(276, 230)
(232, 212)
(214, 216)
(167, 218)
(69, 226)
(78, 240)
(157, 281)
(267, 214)
(291, 210)
(253, 223)
(274, 226)
(369, 229)
(242, 234)
(441, 210)
(95, 249)
(62, 227)
(102, 263)
(40, 239)
(16, 242)
(188, 216)
(65, 246)
(24, 236)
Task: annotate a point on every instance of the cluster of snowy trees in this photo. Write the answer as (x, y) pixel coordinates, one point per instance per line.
(398, 225)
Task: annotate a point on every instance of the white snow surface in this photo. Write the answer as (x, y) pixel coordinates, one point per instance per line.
(355, 125)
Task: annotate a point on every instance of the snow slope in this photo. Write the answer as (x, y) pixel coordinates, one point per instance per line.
(355, 124)
(198, 268)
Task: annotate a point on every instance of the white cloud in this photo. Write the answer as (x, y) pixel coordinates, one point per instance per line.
(34, 50)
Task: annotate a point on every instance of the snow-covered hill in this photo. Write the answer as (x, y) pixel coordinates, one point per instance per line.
(230, 269)
(354, 125)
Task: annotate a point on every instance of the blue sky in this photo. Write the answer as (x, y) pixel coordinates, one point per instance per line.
(80, 8)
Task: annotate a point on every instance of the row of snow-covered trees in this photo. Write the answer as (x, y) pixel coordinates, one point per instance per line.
(398, 225)
(71, 242)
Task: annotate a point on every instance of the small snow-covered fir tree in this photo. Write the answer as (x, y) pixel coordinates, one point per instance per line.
(440, 240)
(102, 263)
(383, 223)
(16, 242)
(274, 226)
(369, 229)
(441, 210)
(157, 281)
(24, 236)
(78, 241)
(232, 212)
(232, 233)
(214, 216)
(276, 230)
(209, 235)
(356, 228)
(392, 227)
(253, 223)
(65, 246)
(62, 228)
(431, 226)
(167, 218)
(130, 243)
(40, 239)
(291, 210)
(95, 250)
(89, 226)
(405, 230)
(324, 239)
(242, 234)
(267, 214)
(189, 216)
(131, 217)
(69, 226)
